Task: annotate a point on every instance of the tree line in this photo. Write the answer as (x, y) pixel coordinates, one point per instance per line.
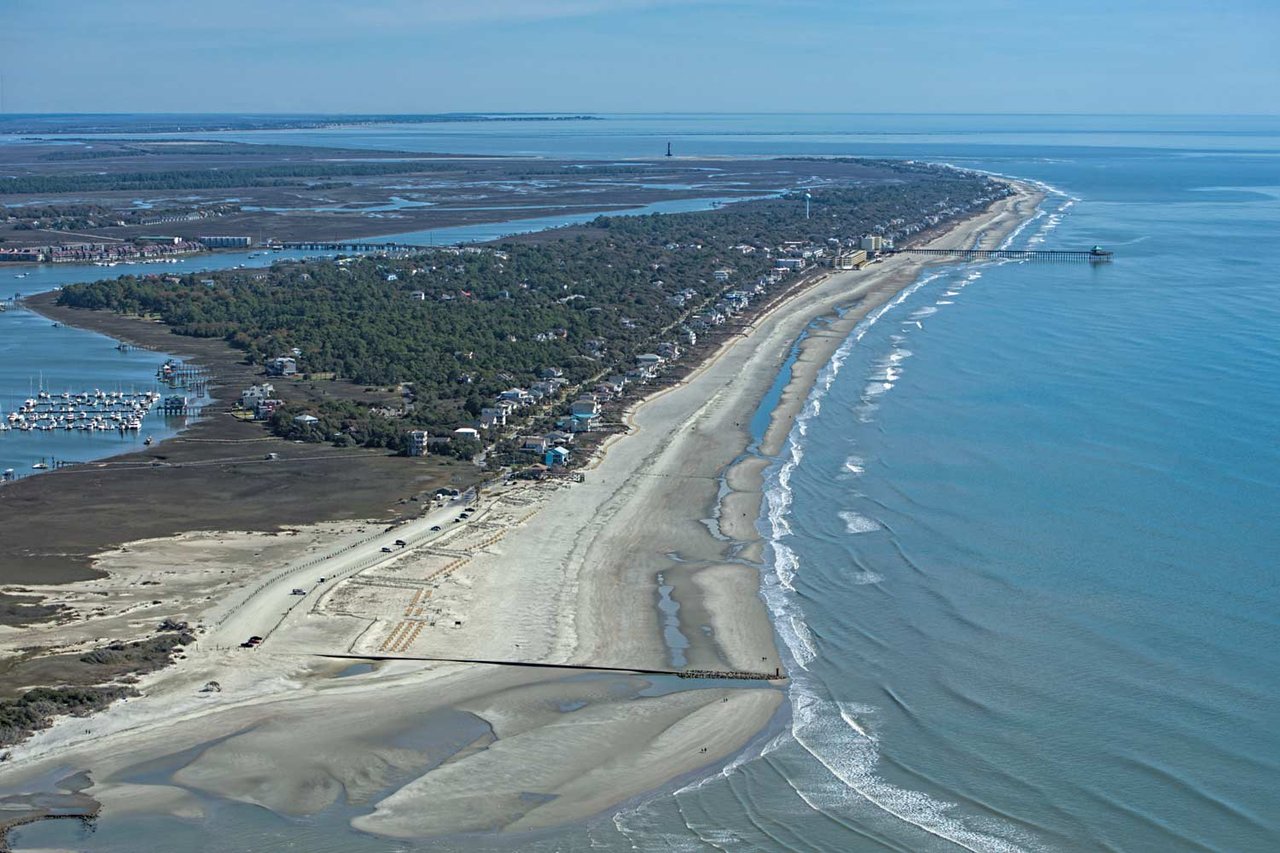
(458, 327)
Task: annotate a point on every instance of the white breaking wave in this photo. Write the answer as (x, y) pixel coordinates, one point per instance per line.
(857, 523)
(848, 750)
(875, 389)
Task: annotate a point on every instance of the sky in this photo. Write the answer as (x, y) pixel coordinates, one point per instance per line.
(427, 56)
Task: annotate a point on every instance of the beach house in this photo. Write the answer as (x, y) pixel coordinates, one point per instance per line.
(519, 396)
(584, 407)
(556, 457)
(534, 444)
(559, 437)
(254, 394)
(282, 366)
(496, 416)
(419, 440)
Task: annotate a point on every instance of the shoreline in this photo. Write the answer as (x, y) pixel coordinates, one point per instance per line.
(585, 592)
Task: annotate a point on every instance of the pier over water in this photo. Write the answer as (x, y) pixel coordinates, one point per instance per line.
(1095, 255)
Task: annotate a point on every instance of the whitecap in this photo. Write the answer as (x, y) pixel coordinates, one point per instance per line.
(857, 523)
(875, 389)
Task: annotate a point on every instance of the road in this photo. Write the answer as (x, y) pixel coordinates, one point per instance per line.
(261, 609)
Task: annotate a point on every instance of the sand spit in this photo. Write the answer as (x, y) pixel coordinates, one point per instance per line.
(550, 573)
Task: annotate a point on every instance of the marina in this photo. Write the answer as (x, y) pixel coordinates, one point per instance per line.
(70, 396)
(92, 411)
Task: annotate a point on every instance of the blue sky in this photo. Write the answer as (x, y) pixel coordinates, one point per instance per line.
(1173, 56)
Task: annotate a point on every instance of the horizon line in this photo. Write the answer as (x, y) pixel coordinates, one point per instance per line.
(591, 113)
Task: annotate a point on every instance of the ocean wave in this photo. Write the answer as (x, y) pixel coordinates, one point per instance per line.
(875, 389)
(857, 523)
(848, 750)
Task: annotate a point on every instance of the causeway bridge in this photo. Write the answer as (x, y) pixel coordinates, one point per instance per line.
(1095, 255)
(324, 246)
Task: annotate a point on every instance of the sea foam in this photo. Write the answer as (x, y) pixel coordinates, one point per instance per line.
(857, 523)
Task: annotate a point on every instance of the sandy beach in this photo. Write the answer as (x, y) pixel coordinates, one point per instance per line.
(653, 561)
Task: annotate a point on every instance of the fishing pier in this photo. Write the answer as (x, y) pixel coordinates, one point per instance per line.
(1096, 255)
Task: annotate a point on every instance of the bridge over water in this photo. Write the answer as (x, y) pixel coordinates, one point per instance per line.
(1095, 255)
(327, 246)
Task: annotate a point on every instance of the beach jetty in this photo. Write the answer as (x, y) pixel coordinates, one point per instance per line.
(727, 675)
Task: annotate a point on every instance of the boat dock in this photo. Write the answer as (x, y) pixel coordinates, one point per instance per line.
(89, 411)
(178, 374)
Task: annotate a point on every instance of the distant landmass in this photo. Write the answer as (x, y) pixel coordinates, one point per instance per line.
(54, 123)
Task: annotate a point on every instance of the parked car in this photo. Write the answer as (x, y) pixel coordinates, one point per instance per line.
(386, 549)
(400, 543)
(436, 528)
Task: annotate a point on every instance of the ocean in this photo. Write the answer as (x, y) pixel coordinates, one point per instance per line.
(1023, 539)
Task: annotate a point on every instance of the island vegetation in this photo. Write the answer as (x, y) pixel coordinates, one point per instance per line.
(455, 327)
